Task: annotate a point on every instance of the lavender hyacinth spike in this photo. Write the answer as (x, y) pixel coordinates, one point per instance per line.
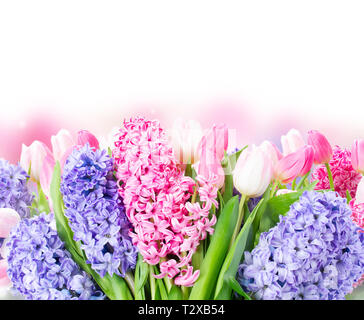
(314, 252)
(13, 190)
(96, 213)
(39, 266)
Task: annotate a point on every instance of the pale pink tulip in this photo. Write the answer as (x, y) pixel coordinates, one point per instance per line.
(217, 140)
(294, 165)
(321, 147)
(210, 164)
(272, 151)
(84, 137)
(185, 138)
(8, 219)
(61, 142)
(357, 156)
(284, 191)
(33, 157)
(292, 141)
(5, 282)
(253, 172)
(359, 196)
(46, 174)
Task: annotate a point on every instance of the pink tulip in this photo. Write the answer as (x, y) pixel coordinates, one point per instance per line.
(321, 147)
(33, 157)
(185, 139)
(8, 219)
(292, 141)
(209, 164)
(46, 174)
(253, 172)
(271, 150)
(357, 156)
(217, 140)
(5, 282)
(84, 137)
(294, 165)
(61, 142)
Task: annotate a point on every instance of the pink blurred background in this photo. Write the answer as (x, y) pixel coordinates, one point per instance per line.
(261, 67)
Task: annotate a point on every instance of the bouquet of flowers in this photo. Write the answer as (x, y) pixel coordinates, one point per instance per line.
(176, 216)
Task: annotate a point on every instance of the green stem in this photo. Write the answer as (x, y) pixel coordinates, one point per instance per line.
(273, 191)
(331, 180)
(302, 181)
(294, 184)
(129, 279)
(240, 219)
(185, 292)
(152, 283)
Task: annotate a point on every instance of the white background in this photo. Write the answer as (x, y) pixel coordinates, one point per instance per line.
(270, 64)
(283, 63)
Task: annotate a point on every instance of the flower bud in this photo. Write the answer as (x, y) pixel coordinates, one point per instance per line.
(321, 147)
(61, 142)
(84, 137)
(292, 141)
(33, 157)
(253, 172)
(185, 139)
(294, 165)
(357, 156)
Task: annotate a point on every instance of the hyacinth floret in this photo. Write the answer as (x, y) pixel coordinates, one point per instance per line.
(344, 176)
(13, 188)
(168, 224)
(315, 252)
(96, 212)
(40, 267)
(358, 217)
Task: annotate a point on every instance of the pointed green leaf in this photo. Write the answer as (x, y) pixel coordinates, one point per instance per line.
(216, 252)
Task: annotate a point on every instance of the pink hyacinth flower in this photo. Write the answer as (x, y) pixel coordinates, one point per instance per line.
(294, 165)
(321, 146)
(357, 156)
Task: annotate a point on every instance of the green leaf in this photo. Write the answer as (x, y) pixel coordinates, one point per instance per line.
(228, 164)
(175, 293)
(235, 285)
(64, 231)
(43, 205)
(229, 269)
(348, 196)
(216, 252)
(141, 277)
(275, 207)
